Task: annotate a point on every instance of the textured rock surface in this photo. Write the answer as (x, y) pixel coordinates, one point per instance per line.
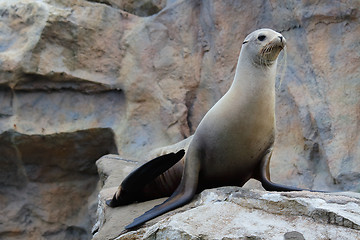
(68, 66)
(235, 213)
(230, 213)
(49, 183)
(149, 70)
(141, 8)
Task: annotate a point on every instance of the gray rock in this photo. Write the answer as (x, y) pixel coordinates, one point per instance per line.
(236, 213)
(66, 67)
(229, 213)
(49, 183)
(294, 235)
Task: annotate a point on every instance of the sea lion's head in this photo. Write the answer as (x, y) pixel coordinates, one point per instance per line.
(263, 46)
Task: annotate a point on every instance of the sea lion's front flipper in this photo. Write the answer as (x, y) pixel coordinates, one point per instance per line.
(141, 176)
(265, 177)
(183, 194)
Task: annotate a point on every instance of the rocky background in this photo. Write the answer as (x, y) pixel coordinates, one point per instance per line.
(80, 79)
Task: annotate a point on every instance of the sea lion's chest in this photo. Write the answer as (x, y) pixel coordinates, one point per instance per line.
(232, 139)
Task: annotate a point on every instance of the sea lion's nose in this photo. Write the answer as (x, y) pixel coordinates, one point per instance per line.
(282, 40)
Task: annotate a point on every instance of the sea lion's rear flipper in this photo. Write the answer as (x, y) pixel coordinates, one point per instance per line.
(151, 169)
(264, 177)
(141, 176)
(183, 195)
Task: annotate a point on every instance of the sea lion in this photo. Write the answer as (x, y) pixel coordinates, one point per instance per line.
(232, 143)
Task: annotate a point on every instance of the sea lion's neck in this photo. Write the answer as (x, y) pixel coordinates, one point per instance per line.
(254, 84)
(252, 77)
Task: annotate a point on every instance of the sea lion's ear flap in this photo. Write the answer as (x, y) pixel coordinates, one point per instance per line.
(245, 42)
(150, 170)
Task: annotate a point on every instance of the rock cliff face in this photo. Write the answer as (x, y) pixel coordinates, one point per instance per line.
(130, 76)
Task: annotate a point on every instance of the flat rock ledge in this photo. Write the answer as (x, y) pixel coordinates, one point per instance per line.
(234, 213)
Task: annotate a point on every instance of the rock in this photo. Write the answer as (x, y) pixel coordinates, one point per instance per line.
(149, 70)
(141, 8)
(66, 67)
(294, 235)
(317, 96)
(229, 213)
(111, 221)
(237, 213)
(49, 183)
(113, 169)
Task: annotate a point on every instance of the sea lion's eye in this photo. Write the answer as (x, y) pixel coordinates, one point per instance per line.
(261, 37)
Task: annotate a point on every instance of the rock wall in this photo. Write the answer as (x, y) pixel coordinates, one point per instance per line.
(149, 71)
(49, 183)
